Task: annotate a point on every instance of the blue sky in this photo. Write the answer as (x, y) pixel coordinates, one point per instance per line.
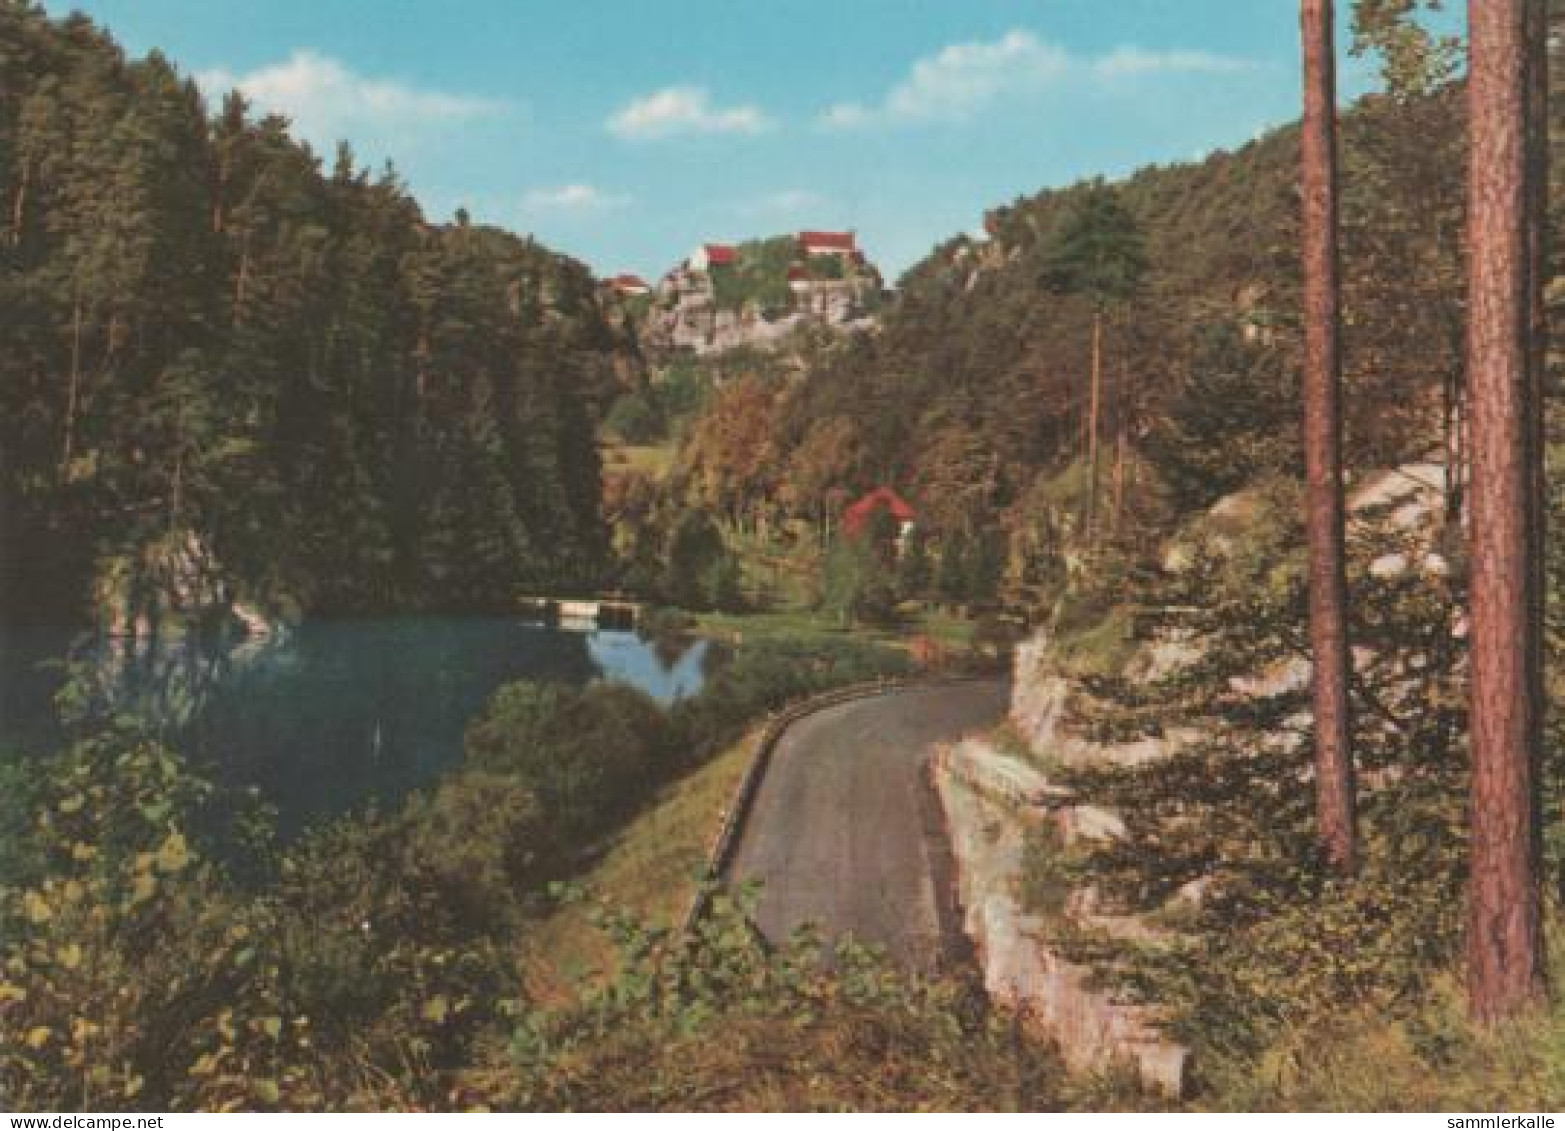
(624, 132)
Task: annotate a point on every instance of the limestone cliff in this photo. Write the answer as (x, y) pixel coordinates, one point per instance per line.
(757, 295)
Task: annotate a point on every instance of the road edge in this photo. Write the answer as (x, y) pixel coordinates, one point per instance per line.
(720, 853)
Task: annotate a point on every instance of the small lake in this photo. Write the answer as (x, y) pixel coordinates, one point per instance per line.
(335, 714)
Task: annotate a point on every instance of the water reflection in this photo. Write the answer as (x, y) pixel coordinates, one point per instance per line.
(664, 676)
(333, 715)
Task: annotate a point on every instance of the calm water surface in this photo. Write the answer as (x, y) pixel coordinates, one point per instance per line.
(334, 715)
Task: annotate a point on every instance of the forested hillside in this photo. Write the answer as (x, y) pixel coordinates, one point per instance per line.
(212, 346)
(975, 397)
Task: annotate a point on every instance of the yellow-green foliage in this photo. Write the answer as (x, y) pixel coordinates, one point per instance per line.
(134, 973)
(1432, 1059)
(651, 460)
(1101, 647)
(715, 1020)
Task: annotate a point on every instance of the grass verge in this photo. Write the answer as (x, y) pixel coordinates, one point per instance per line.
(651, 870)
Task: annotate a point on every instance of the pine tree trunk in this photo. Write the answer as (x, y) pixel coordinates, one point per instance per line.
(1119, 473)
(74, 390)
(241, 278)
(1451, 443)
(1537, 47)
(176, 492)
(224, 174)
(1504, 941)
(1094, 410)
(1334, 785)
(19, 205)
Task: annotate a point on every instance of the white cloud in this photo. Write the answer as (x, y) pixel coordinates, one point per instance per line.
(576, 197)
(847, 116)
(1124, 61)
(784, 202)
(683, 110)
(328, 102)
(963, 78)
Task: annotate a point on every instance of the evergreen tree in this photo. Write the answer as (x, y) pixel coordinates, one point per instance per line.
(1098, 253)
(1505, 953)
(354, 409)
(1329, 652)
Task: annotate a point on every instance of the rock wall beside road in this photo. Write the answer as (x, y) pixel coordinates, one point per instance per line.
(989, 800)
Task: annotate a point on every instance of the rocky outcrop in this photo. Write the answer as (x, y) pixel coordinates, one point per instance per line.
(685, 315)
(170, 588)
(255, 624)
(1404, 505)
(1407, 501)
(989, 800)
(1040, 701)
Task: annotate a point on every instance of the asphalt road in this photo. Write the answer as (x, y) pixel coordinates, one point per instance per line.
(845, 830)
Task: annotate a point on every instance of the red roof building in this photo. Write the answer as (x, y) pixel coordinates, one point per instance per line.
(710, 255)
(827, 243)
(858, 515)
(629, 285)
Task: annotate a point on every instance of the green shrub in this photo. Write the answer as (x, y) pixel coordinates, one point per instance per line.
(857, 583)
(135, 974)
(763, 676)
(683, 391)
(659, 623)
(717, 1020)
(636, 419)
(586, 755)
(702, 574)
(476, 840)
(1049, 871)
(19, 857)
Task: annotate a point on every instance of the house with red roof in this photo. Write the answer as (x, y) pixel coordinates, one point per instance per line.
(629, 285)
(858, 515)
(841, 244)
(710, 255)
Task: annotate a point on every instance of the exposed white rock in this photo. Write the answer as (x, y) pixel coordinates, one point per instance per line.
(1193, 895)
(989, 803)
(253, 621)
(1091, 823)
(1291, 674)
(1162, 657)
(1093, 1027)
(1412, 495)
(1389, 565)
(686, 315)
(165, 588)
(1003, 779)
(1039, 698)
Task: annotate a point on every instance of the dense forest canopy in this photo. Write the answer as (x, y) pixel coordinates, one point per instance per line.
(983, 342)
(212, 341)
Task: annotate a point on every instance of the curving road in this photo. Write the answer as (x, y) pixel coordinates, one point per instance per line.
(845, 831)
